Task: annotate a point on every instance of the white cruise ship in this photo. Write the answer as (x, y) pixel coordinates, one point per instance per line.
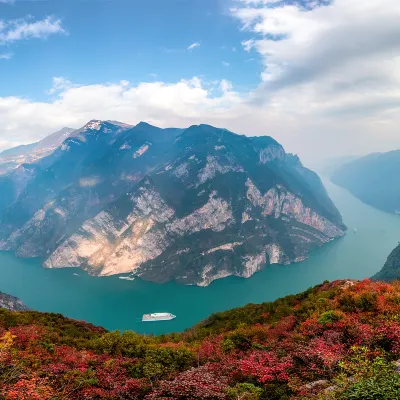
(158, 317)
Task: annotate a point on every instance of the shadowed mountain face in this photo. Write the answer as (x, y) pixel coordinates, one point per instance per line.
(374, 179)
(189, 205)
(391, 270)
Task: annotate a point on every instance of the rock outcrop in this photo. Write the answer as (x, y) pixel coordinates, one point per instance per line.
(11, 303)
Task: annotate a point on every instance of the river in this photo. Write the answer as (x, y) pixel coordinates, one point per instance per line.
(119, 304)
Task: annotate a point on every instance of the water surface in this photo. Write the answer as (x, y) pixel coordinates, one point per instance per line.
(118, 304)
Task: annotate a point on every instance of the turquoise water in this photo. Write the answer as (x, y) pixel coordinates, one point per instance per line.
(118, 304)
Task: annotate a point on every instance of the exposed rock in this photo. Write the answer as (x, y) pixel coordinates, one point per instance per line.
(11, 303)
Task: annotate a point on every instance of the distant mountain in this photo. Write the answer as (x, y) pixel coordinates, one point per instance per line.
(189, 205)
(374, 179)
(391, 269)
(11, 303)
(12, 158)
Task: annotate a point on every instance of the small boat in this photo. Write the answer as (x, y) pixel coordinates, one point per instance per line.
(157, 317)
(355, 230)
(75, 274)
(127, 278)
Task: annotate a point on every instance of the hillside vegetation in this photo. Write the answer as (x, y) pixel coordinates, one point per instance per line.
(339, 340)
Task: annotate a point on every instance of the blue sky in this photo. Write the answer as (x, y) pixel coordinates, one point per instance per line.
(320, 76)
(110, 40)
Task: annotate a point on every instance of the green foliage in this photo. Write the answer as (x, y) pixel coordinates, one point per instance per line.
(329, 317)
(364, 302)
(379, 381)
(161, 362)
(128, 343)
(244, 391)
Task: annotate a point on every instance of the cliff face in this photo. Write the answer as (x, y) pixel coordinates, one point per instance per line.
(11, 303)
(191, 206)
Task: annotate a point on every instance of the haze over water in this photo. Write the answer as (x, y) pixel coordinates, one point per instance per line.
(119, 304)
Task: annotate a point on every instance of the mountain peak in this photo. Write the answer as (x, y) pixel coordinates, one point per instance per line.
(94, 124)
(145, 125)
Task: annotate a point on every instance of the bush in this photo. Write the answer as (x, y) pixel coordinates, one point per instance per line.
(329, 317)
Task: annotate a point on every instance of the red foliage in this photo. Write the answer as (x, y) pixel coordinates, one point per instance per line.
(266, 366)
(197, 383)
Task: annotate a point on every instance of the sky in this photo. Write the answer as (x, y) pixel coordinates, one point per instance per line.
(322, 77)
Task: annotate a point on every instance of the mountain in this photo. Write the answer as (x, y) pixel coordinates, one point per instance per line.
(11, 303)
(12, 158)
(338, 340)
(391, 269)
(190, 205)
(374, 179)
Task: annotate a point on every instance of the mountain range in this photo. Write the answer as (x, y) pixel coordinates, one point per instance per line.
(190, 205)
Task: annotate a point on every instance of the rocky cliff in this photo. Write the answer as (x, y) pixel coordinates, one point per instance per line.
(188, 205)
(11, 303)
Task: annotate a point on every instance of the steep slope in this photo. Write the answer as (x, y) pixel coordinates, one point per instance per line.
(11, 303)
(222, 205)
(374, 179)
(12, 158)
(91, 169)
(33, 186)
(338, 340)
(391, 269)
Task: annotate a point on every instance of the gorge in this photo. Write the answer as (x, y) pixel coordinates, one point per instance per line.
(119, 304)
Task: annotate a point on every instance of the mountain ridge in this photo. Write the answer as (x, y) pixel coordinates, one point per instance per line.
(12, 158)
(190, 205)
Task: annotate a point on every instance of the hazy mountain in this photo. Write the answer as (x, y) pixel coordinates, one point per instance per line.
(12, 158)
(374, 179)
(188, 205)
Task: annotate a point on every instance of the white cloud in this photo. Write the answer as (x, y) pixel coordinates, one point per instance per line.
(6, 56)
(193, 46)
(334, 67)
(225, 64)
(23, 29)
(165, 104)
(60, 83)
